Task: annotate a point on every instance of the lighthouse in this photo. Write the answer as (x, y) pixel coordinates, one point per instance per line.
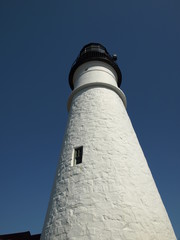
(103, 188)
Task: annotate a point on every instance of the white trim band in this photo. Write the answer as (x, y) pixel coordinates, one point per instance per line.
(97, 84)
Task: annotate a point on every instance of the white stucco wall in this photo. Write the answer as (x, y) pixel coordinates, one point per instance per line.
(111, 194)
(95, 72)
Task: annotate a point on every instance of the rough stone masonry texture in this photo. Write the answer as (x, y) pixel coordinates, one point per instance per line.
(111, 195)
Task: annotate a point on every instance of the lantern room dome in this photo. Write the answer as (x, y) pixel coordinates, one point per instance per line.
(94, 52)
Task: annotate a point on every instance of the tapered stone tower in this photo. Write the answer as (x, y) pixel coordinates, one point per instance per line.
(103, 187)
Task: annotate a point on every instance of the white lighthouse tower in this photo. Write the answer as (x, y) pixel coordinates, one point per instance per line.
(103, 187)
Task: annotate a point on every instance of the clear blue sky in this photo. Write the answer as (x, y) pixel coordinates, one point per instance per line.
(39, 40)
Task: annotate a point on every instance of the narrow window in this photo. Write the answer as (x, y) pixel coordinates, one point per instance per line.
(78, 152)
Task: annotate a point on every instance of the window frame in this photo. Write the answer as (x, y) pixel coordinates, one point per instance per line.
(77, 159)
